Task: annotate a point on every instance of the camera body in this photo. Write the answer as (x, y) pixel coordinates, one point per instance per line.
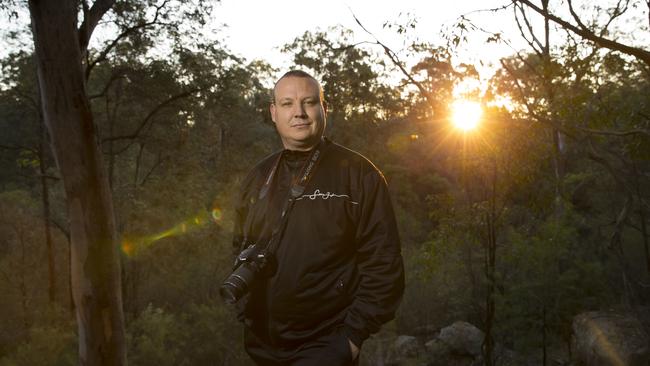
(249, 265)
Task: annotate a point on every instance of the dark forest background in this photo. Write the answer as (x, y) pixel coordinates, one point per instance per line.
(539, 214)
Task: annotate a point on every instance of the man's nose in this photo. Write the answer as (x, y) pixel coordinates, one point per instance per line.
(299, 111)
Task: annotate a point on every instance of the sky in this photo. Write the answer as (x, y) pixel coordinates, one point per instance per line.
(258, 29)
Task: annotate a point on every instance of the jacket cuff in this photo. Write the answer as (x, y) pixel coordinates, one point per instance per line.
(355, 336)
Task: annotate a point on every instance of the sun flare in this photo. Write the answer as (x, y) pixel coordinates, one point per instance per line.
(466, 114)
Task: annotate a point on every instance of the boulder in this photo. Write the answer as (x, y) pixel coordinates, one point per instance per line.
(407, 346)
(603, 338)
(462, 338)
(425, 331)
(440, 354)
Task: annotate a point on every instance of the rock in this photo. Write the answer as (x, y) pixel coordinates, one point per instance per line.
(439, 354)
(407, 346)
(603, 338)
(425, 331)
(436, 348)
(462, 338)
(450, 349)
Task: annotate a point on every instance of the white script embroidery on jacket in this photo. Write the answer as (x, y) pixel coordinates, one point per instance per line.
(317, 194)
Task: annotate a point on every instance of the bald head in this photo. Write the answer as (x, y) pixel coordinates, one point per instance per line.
(297, 74)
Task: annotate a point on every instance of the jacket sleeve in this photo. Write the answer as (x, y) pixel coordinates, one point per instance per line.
(241, 209)
(238, 224)
(379, 262)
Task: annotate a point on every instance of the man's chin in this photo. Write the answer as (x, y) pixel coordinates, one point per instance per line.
(302, 144)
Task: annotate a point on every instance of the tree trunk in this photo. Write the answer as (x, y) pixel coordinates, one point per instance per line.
(558, 139)
(23, 281)
(490, 269)
(45, 197)
(66, 111)
(544, 335)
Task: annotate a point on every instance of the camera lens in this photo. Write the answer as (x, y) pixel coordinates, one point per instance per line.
(236, 285)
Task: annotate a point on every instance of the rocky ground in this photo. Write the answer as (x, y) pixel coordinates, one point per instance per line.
(600, 338)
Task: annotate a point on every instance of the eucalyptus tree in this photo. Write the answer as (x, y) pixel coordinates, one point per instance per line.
(62, 33)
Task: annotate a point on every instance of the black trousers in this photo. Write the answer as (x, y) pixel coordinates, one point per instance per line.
(329, 350)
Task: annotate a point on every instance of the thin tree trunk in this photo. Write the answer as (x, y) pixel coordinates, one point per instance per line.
(558, 140)
(642, 216)
(111, 152)
(644, 232)
(544, 335)
(66, 110)
(490, 269)
(23, 281)
(70, 294)
(45, 196)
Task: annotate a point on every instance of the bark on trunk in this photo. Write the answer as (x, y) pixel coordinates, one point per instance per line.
(67, 114)
(45, 197)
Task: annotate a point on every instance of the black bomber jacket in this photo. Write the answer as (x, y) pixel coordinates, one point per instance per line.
(338, 262)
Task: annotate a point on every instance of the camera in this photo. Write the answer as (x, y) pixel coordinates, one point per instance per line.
(250, 263)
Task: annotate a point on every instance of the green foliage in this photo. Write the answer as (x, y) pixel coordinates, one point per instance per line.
(153, 338)
(548, 276)
(51, 341)
(46, 347)
(200, 335)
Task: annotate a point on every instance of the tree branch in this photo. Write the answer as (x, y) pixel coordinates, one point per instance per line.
(151, 114)
(159, 161)
(617, 133)
(621, 219)
(530, 110)
(576, 17)
(395, 60)
(639, 53)
(617, 13)
(104, 54)
(114, 77)
(91, 19)
(523, 34)
(530, 30)
(595, 156)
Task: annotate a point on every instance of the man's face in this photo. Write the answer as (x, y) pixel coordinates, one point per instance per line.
(298, 112)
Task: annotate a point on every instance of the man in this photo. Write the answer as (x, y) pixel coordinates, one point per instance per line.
(336, 272)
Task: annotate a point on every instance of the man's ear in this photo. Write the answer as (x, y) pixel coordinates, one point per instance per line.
(272, 110)
(325, 107)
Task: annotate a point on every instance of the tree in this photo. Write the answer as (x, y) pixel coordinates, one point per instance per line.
(59, 46)
(611, 131)
(21, 114)
(597, 36)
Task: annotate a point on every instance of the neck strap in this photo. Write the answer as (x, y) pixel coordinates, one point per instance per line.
(297, 189)
(297, 186)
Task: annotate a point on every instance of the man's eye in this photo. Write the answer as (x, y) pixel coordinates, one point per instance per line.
(310, 102)
(285, 104)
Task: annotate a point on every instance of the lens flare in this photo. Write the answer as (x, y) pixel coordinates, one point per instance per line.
(604, 344)
(217, 215)
(127, 247)
(130, 246)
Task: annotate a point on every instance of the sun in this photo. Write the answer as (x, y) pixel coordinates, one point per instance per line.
(466, 114)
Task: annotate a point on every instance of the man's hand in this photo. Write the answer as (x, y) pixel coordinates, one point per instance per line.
(354, 349)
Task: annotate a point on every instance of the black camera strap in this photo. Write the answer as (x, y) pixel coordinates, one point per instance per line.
(298, 187)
